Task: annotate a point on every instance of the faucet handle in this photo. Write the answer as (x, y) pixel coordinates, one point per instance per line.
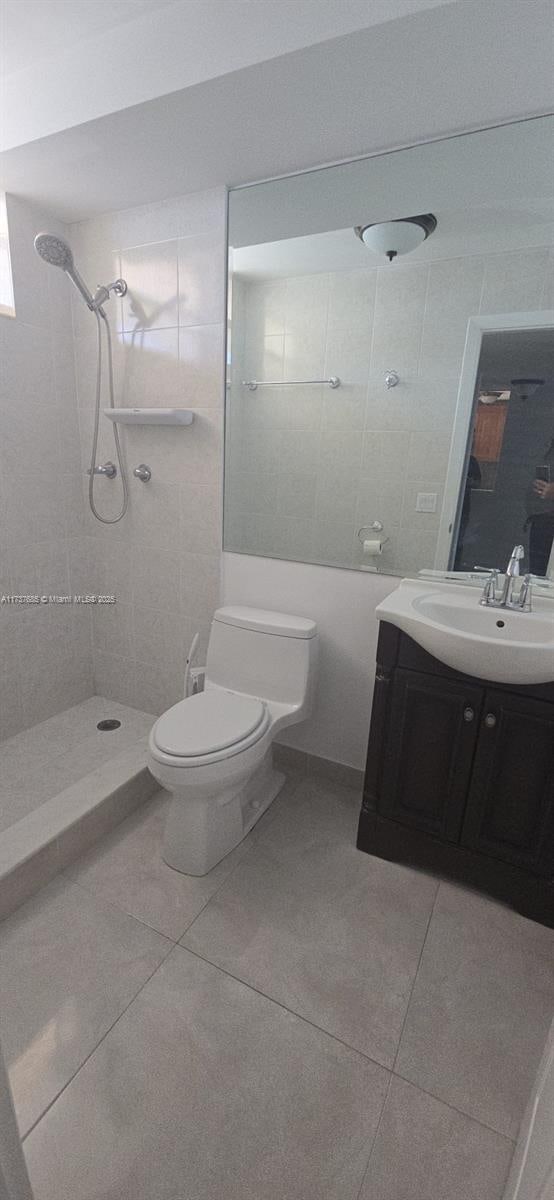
(489, 591)
(524, 598)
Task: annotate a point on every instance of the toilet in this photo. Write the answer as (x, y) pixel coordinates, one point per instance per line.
(213, 751)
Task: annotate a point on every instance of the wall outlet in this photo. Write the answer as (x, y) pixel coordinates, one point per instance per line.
(426, 502)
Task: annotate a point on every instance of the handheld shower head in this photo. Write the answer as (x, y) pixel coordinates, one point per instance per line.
(55, 251)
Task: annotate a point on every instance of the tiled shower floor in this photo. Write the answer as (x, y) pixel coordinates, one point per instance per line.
(41, 761)
(306, 1022)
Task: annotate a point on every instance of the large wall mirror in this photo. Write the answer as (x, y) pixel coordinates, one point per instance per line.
(390, 390)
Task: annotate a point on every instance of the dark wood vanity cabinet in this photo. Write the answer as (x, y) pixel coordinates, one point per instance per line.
(460, 776)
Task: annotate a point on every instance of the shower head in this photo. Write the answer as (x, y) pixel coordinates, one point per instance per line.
(55, 251)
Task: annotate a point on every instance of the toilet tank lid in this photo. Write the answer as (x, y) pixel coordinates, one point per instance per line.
(261, 620)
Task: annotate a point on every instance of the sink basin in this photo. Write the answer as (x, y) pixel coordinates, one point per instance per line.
(491, 643)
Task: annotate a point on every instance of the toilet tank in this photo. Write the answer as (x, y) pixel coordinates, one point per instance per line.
(261, 653)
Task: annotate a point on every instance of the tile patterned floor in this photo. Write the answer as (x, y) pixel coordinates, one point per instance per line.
(41, 761)
(305, 1023)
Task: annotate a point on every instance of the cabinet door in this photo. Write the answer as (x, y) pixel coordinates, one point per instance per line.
(510, 811)
(429, 753)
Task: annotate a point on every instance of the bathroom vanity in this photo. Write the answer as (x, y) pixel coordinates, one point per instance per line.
(460, 776)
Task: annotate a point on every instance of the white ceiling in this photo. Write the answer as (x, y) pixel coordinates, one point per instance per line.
(419, 76)
(33, 30)
(101, 57)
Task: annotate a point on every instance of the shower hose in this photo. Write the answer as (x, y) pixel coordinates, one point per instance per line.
(99, 313)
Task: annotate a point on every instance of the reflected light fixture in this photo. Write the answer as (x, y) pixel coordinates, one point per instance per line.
(522, 389)
(396, 237)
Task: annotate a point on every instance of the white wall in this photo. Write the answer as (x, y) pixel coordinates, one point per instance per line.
(162, 558)
(45, 650)
(343, 604)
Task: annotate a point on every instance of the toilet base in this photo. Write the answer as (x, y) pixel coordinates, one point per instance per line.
(201, 830)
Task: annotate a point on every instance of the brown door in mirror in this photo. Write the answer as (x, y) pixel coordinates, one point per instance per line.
(433, 729)
(510, 809)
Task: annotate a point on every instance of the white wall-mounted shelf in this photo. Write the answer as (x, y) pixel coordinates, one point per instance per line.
(150, 416)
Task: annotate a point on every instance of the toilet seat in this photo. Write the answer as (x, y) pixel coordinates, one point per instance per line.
(212, 725)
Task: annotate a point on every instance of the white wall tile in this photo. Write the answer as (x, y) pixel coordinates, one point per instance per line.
(401, 292)
(380, 497)
(152, 295)
(352, 300)
(201, 366)
(453, 297)
(307, 302)
(148, 369)
(141, 558)
(266, 306)
(428, 456)
(200, 518)
(112, 629)
(155, 578)
(298, 450)
(516, 282)
(384, 454)
(304, 353)
(46, 650)
(201, 295)
(264, 359)
(297, 493)
(199, 590)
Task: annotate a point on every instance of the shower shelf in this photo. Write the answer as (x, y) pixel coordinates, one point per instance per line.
(150, 416)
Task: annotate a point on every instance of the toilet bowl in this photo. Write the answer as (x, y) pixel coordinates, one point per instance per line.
(213, 751)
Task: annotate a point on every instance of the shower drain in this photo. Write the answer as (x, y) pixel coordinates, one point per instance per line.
(103, 726)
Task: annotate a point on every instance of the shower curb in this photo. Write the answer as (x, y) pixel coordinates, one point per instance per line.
(49, 839)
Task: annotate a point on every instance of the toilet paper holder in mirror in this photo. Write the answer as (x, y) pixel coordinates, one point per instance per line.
(375, 527)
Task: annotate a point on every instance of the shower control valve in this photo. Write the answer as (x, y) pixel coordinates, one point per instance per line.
(108, 469)
(143, 472)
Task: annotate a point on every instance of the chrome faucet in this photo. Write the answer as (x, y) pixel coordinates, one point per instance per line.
(506, 599)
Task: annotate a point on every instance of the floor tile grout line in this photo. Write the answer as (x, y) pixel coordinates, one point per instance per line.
(97, 1046)
(394, 1075)
(391, 1070)
(172, 946)
(92, 892)
(416, 972)
(374, 1138)
(461, 1112)
(355, 1049)
(280, 1004)
(248, 850)
(118, 908)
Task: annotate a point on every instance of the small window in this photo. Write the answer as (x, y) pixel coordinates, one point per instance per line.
(7, 307)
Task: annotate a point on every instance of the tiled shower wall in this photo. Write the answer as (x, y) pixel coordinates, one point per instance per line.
(162, 559)
(45, 649)
(306, 467)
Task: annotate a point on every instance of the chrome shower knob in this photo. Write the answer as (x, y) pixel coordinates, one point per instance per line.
(108, 469)
(143, 472)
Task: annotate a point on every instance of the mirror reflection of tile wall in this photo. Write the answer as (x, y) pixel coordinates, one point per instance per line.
(308, 466)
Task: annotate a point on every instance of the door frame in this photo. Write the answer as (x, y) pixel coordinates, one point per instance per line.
(460, 444)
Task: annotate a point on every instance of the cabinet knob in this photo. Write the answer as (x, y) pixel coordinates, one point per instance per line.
(490, 720)
(469, 714)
